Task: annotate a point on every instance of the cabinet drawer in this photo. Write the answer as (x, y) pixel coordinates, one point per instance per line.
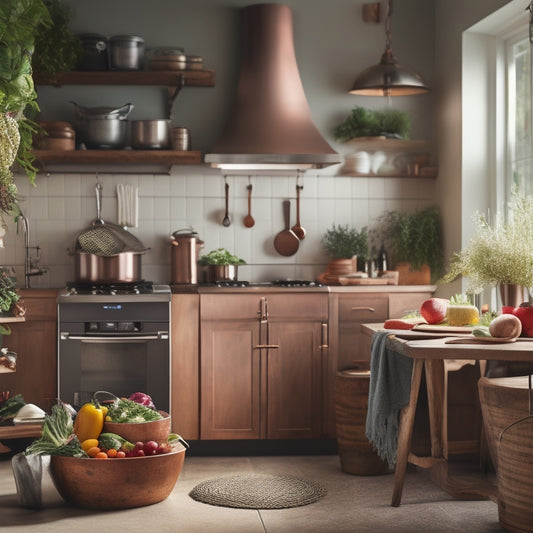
(247, 306)
(367, 308)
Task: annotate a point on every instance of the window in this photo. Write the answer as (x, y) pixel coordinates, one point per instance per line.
(520, 79)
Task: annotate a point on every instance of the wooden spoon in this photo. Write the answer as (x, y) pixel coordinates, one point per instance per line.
(249, 219)
(286, 242)
(299, 231)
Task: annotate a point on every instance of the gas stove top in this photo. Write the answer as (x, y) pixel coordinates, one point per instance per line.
(96, 292)
(139, 287)
(292, 284)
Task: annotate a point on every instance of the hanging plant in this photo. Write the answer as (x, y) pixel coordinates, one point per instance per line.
(20, 20)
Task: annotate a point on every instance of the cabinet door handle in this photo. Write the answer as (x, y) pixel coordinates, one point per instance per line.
(371, 309)
(269, 346)
(324, 334)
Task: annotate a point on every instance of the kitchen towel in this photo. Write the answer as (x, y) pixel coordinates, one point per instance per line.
(128, 205)
(389, 391)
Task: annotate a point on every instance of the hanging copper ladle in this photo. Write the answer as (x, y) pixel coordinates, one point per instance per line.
(298, 229)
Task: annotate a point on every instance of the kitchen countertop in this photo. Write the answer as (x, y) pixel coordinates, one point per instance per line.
(211, 289)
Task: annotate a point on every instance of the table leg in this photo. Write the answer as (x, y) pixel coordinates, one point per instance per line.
(407, 420)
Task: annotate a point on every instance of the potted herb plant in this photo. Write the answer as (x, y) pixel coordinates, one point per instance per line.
(347, 247)
(220, 265)
(363, 122)
(415, 242)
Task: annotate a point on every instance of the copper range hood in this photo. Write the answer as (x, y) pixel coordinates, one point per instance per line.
(270, 127)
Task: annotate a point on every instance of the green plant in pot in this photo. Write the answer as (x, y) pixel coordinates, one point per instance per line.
(342, 243)
(415, 242)
(363, 122)
(220, 265)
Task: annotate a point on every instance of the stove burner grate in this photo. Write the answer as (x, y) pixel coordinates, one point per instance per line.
(137, 287)
(296, 283)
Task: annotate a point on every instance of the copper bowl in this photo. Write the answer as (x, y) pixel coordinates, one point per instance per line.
(117, 483)
(158, 430)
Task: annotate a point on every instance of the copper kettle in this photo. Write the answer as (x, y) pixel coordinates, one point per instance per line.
(184, 257)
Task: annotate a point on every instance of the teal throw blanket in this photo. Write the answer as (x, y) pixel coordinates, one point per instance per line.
(390, 388)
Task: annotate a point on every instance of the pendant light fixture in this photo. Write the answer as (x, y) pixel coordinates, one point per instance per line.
(388, 78)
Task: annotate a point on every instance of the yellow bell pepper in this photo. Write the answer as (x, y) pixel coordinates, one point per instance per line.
(89, 421)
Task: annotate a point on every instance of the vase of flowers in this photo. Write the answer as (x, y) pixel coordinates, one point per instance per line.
(499, 254)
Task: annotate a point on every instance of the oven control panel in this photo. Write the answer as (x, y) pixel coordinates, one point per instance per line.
(113, 327)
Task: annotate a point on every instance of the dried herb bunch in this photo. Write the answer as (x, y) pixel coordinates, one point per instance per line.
(498, 253)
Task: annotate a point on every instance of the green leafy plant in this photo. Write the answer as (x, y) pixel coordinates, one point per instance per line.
(8, 296)
(20, 21)
(56, 47)
(369, 123)
(415, 238)
(220, 256)
(498, 253)
(33, 36)
(343, 242)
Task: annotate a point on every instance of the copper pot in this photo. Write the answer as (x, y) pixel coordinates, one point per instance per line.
(125, 267)
(184, 257)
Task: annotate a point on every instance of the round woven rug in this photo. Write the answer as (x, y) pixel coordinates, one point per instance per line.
(258, 491)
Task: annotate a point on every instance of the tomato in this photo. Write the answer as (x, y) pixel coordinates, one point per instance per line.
(101, 455)
(92, 452)
(112, 452)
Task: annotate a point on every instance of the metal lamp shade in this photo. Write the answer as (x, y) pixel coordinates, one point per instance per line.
(388, 78)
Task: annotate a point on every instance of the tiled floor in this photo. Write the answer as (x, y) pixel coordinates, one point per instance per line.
(353, 504)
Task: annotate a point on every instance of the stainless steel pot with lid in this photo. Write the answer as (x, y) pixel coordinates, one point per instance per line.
(102, 127)
(185, 248)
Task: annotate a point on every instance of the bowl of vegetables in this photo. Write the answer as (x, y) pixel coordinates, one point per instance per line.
(117, 483)
(136, 419)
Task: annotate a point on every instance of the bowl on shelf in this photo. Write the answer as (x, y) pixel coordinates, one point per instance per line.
(117, 483)
(157, 430)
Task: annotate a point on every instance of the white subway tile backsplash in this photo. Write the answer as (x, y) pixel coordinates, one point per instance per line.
(193, 196)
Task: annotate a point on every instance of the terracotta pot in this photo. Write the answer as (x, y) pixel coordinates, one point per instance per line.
(117, 483)
(340, 267)
(158, 430)
(407, 276)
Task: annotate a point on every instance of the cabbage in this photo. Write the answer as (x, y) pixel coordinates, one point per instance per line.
(143, 399)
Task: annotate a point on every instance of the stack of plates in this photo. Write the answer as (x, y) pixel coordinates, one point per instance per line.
(29, 414)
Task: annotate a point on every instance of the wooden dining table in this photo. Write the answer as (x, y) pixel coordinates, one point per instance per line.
(432, 352)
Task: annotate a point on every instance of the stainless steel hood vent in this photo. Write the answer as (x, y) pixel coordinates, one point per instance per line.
(270, 127)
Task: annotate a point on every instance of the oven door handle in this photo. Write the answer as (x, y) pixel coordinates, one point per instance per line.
(161, 335)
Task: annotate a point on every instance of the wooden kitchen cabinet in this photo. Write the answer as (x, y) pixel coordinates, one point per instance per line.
(184, 374)
(263, 371)
(349, 308)
(35, 342)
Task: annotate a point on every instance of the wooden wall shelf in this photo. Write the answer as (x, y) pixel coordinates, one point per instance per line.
(169, 157)
(191, 78)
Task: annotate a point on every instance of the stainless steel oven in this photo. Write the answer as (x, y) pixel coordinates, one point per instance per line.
(114, 338)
